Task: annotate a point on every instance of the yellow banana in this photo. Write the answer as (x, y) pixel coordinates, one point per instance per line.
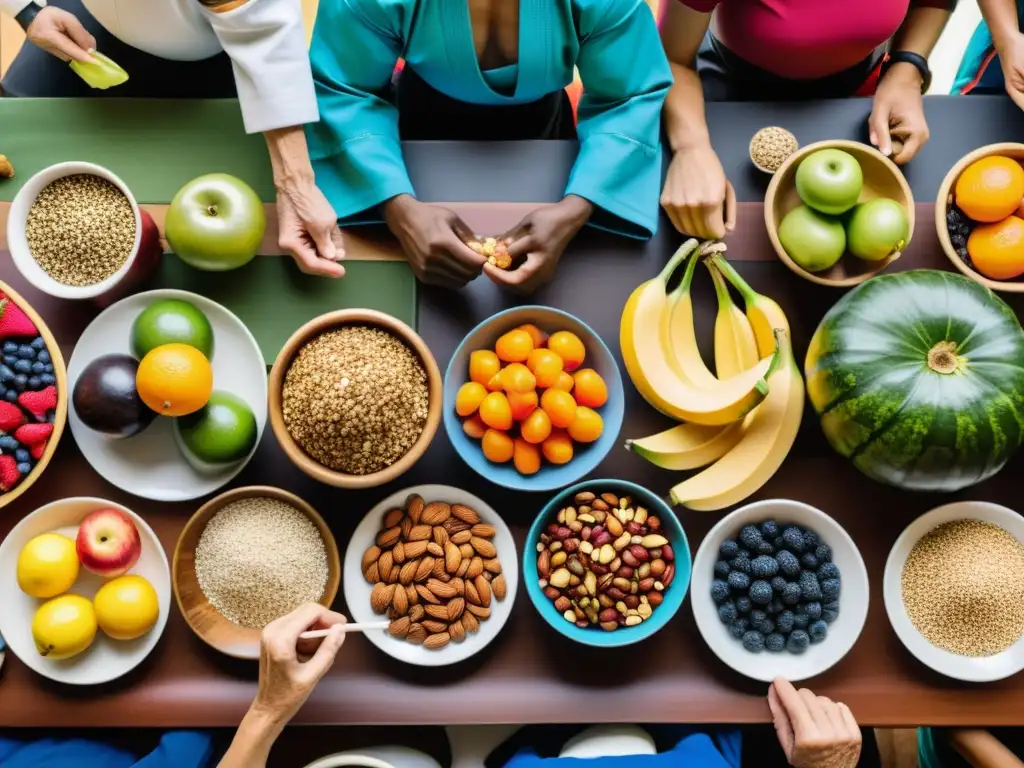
(680, 339)
(735, 345)
(764, 314)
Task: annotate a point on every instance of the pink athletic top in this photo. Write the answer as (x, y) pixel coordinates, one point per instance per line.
(804, 39)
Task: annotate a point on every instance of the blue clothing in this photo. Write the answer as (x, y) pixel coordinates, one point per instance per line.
(614, 43)
(178, 749)
(719, 749)
(980, 70)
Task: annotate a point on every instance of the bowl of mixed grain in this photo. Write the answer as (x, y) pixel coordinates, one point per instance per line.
(74, 230)
(954, 590)
(248, 557)
(355, 398)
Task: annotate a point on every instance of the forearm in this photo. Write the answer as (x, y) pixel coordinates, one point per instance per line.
(251, 746)
(289, 157)
(921, 30)
(685, 123)
(1001, 18)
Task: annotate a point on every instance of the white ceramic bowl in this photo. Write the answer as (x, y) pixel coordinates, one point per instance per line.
(357, 590)
(377, 757)
(18, 244)
(853, 603)
(106, 659)
(973, 670)
(150, 464)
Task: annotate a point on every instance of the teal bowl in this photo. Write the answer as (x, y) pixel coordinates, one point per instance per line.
(671, 528)
(586, 457)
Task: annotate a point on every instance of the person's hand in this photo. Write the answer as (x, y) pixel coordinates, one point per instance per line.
(898, 112)
(289, 667)
(537, 242)
(815, 732)
(697, 197)
(1011, 58)
(61, 33)
(435, 240)
(308, 230)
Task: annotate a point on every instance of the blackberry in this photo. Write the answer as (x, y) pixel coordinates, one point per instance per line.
(719, 591)
(753, 641)
(761, 592)
(828, 571)
(743, 604)
(769, 529)
(739, 581)
(818, 631)
(738, 628)
(811, 610)
(958, 240)
(791, 594)
(830, 612)
(765, 548)
(763, 567)
(788, 564)
(775, 643)
(750, 537)
(793, 540)
(727, 613)
(809, 561)
(830, 589)
(810, 540)
(722, 569)
(784, 622)
(965, 257)
(741, 563)
(778, 543)
(801, 622)
(778, 584)
(765, 627)
(810, 589)
(729, 549)
(798, 641)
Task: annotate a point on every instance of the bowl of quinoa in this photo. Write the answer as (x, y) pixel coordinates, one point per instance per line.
(355, 398)
(74, 230)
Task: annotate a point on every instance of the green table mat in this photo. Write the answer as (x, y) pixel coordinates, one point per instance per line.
(156, 146)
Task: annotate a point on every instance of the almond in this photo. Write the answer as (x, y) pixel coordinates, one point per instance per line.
(442, 590)
(393, 576)
(476, 567)
(370, 556)
(544, 565)
(440, 535)
(408, 572)
(483, 547)
(414, 506)
(412, 595)
(457, 631)
(398, 553)
(435, 513)
(405, 527)
(435, 625)
(454, 525)
(479, 611)
(455, 608)
(460, 586)
(419, 533)
(438, 612)
(417, 612)
(388, 537)
(484, 590)
(414, 549)
(498, 587)
(483, 530)
(393, 518)
(472, 596)
(493, 565)
(384, 565)
(463, 568)
(438, 571)
(452, 557)
(426, 595)
(462, 537)
(470, 622)
(434, 642)
(372, 574)
(467, 550)
(417, 634)
(435, 549)
(465, 514)
(400, 602)
(381, 596)
(400, 627)
(423, 569)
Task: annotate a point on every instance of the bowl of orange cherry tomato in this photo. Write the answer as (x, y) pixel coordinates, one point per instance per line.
(533, 399)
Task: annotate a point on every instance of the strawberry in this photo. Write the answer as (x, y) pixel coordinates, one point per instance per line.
(9, 474)
(36, 451)
(13, 321)
(39, 403)
(32, 434)
(11, 416)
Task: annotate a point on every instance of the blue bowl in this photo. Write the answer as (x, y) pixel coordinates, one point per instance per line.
(671, 528)
(587, 457)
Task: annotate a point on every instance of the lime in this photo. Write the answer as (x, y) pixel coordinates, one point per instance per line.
(222, 432)
(171, 321)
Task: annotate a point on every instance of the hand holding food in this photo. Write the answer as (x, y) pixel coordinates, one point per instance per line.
(61, 33)
(434, 240)
(698, 198)
(308, 230)
(898, 114)
(814, 731)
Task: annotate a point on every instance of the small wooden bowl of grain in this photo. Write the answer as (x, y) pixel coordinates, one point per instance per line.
(264, 531)
(355, 398)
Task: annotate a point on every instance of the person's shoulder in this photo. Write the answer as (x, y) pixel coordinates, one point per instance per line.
(392, 16)
(594, 16)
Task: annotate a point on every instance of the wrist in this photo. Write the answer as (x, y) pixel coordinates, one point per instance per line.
(904, 73)
(263, 722)
(577, 209)
(28, 14)
(289, 158)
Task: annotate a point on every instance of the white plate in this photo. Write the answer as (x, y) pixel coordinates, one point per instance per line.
(853, 602)
(974, 670)
(150, 465)
(106, 659)
(357, 590)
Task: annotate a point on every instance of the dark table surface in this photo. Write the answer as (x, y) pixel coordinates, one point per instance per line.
(530, 674)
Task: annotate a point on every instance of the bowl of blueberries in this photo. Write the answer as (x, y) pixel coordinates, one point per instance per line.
(779, 589)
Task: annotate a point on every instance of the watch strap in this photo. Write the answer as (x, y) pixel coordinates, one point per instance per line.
(916, 60)
(27, 15)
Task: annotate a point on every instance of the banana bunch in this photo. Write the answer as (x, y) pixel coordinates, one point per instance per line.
(741, 422)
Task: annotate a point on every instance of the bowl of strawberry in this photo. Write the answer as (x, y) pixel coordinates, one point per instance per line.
(33, 395)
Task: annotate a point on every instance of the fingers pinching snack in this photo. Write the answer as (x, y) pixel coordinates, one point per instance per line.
(495, 250)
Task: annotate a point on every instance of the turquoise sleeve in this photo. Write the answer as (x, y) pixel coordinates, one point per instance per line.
(355, 147)
(625, 80)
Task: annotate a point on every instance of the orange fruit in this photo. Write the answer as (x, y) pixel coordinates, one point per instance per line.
(567, 345)
(174, 379)
(526, 457)
(474, 426)
(546, 366)
(558, 447)
(483, 365)
(495, 411)
(497, 446)
(516, 377)
(565, 382)
(522, 404)
(559, 406)
(587, 426)
(539, 337)
(514, 347)
(997, 250)
(469, 397)
(990, 189)
(590, 389)
(536, 428)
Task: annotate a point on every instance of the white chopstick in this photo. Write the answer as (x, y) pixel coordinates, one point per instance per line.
(317, 634)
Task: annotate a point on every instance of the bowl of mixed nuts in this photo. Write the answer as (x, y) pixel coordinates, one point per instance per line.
(607, 563)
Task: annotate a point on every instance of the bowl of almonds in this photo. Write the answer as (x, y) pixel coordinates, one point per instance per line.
(439, 565)
(607, 563)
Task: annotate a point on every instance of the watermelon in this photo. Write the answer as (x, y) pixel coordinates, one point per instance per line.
(918, 378)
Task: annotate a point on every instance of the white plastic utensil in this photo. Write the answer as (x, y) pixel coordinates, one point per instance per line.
(317, 634)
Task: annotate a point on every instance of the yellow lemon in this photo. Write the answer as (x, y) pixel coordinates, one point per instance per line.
(127, 607)
(47, 566)
(64, 627)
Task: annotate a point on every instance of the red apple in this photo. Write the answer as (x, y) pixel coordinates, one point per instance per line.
(108, 543)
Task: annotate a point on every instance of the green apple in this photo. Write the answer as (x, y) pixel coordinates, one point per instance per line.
(829, 181)
(877, 229)
(215, 223)
(223, 432)
(813, 241)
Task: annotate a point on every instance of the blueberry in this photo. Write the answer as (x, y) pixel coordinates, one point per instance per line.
(801, 622)
(764, 567)
(791, 594)
(958, 240)
(778, 584)
(43, 356)
(38, 343)
(776, 606)
(3, 391)
(753, 641)
(784, 622)
(769, 529)
(48, 379)
(779, 543)
(765, 627)
(35, 383)
(738, 628)
(51, 417)
(727, 613)
(729, 549)
(739, 581)
(21, 455)
(11, 396)
(8, 444)
(719, 591)
(10, 360)
(809, 561)
(750, 537)
(823, 553)
(722, 569)
(810, 540)
(818, 631)
(775, 643)
(830, 612)
(761, 592)
(743, 604)
(828, 571)
(741, 563)
(757, 616)
(49, 367)
(788, 564)
(811, 610)
(25, 352)
(765, 548)
(10, 348)
(23, 366)
(24, 468)
(6, 374)
(830, 589)
(798, 641)
(810, 589)
(38, 368)
(20, 382)
(793, 540)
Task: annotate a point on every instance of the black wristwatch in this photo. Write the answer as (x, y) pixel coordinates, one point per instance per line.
(28, 15)
(909, 57)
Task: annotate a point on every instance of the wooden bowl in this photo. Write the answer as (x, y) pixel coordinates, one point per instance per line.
(211, 627)
(882, 178)
(61, 414)
(307, 333)
(945, 197)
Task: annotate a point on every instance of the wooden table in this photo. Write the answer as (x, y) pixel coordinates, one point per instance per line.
(531, 674)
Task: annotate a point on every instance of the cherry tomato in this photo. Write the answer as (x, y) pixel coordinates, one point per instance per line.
(522, 404)
(590, 389)
(546, 367)
(514, 347)
(558, 447)
(516, 377)
(474, 426)
(587, 426)
(539, 337)
(469, 397)
(497, 446)
(526, 457)
(559, 406)
(536, 428)
(565, 382)
(495, 411)
(567, 345)
(483, 365)
(495, 384)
